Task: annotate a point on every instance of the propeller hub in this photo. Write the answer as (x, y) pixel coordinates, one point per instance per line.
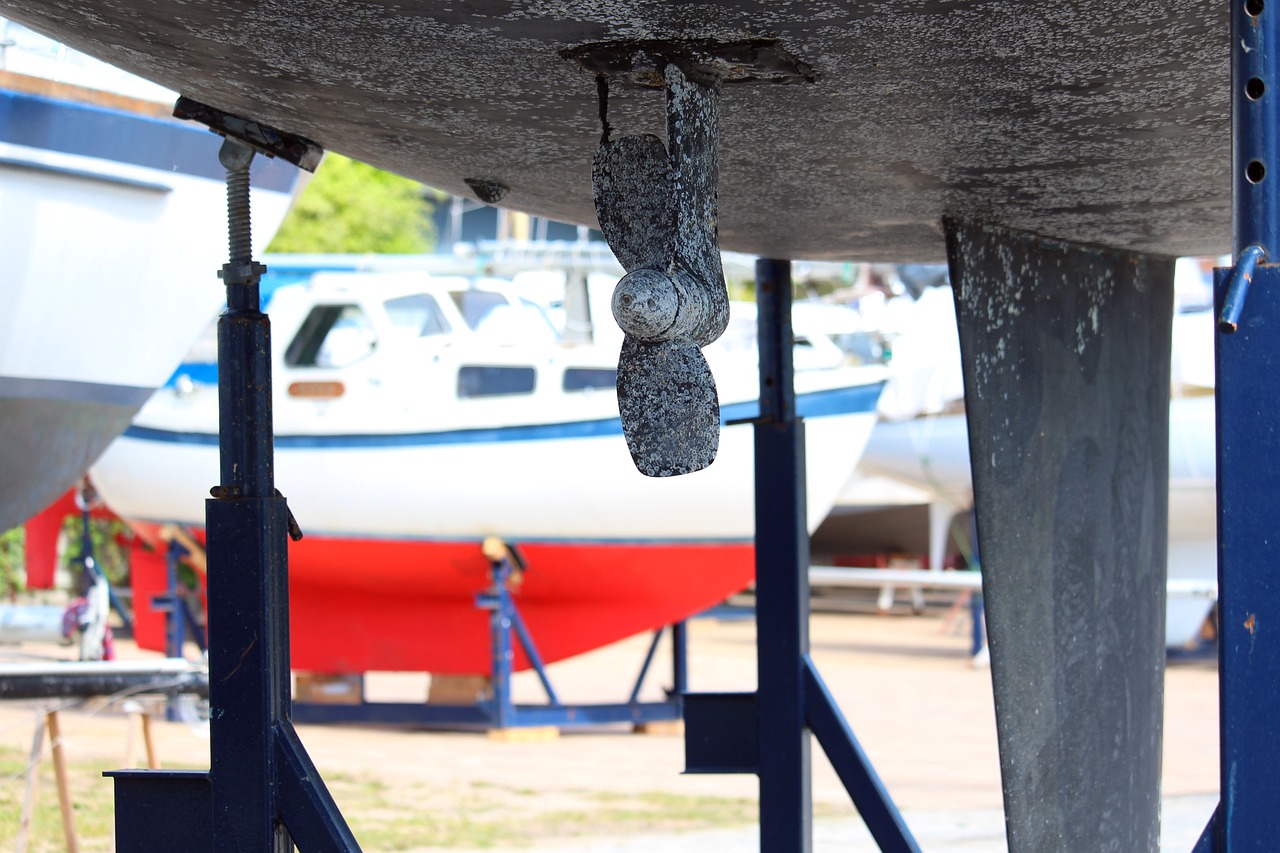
(646, 304)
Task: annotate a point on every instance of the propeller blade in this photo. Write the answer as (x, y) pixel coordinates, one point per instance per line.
(668, 405)
(693, 131)
(631, 182)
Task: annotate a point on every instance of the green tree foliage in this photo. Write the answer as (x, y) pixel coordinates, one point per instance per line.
(352, 207)
(109, 553)
(12, 560)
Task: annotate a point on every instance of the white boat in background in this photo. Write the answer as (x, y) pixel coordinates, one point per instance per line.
(112, 229)
(922, 441)
(416, 416)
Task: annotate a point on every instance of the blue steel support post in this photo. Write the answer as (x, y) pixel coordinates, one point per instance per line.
(782, 579)
(498, 601)
(680, 659)
(1248, 384)
(87, 562)
(175, 621)
(255, 758)
(644, 667)
(248, 586)
(92, 572)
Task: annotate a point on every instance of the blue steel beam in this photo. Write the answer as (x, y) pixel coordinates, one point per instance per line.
(530, 649)
(1248, 385)
(680, 659)
(644, 667)
(305, 807)
(782, 578)
(852, 765)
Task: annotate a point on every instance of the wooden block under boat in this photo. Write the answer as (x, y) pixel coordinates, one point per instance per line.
(458, 689)
(525, 734)
(328, 689)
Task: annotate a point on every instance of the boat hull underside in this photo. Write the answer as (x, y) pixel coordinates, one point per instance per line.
(48, 446)
(1096, 122)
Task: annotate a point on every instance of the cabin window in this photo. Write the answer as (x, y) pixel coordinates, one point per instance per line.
(416, 316)
(475, 305)
(589, 378)
(476, 380)
(332, 336)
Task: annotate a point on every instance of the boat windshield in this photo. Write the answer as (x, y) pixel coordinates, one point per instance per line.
(475, 304)
(416, 316)
(501, 317)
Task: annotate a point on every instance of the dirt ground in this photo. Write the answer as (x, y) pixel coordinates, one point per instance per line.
(921, 711)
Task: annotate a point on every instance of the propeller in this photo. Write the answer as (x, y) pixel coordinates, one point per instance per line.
(657, 210)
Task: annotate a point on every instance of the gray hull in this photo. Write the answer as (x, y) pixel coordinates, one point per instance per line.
(48, 443)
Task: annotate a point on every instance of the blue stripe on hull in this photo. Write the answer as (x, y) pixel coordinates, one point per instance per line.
(48, 124)
(840, 401)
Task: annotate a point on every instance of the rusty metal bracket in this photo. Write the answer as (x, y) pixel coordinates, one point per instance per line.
(295, 149)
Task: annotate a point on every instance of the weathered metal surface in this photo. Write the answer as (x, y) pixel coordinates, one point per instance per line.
(708, 62)
(668, 407)
(631, 184)
(693, 135)
(657, 209)
(302, 153)
(1066, 362)
(1096, 121)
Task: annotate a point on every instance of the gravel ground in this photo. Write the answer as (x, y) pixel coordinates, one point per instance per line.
(922, 713)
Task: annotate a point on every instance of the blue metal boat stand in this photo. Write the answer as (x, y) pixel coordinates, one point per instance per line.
(1248, 387)
(262, 792)
(768, 732)
(498, 711)
(86, 499)
(178, 618)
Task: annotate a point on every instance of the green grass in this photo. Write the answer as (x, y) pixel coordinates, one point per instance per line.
(485, 815)
(391, 817)
(93, 806)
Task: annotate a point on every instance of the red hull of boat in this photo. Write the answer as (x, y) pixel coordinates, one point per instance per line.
(361, 605)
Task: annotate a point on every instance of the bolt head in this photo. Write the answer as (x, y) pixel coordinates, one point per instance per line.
(235, 155)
